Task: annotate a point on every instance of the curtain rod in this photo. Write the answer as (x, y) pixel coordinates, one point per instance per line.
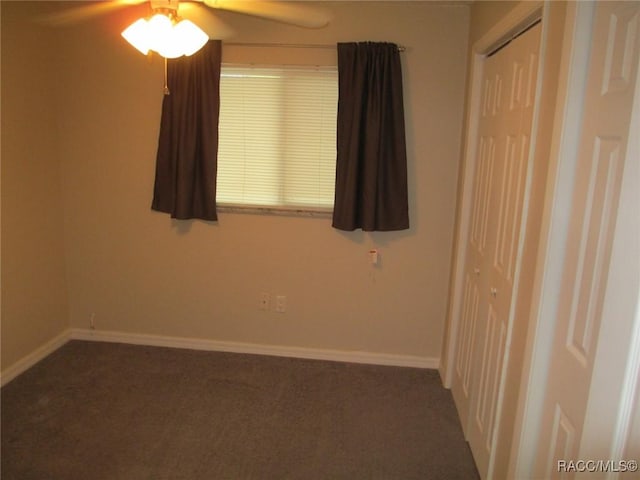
(290, 45)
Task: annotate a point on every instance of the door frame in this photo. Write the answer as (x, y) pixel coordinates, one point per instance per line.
(614, 394)
(523, 14)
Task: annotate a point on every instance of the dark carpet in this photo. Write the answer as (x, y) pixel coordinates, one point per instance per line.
(108, 411)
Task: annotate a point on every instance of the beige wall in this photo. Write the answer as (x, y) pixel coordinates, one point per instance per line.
(485, 14)
(141, 272)
(34, 292)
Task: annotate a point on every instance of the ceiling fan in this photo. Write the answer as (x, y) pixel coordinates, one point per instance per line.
(177, 21)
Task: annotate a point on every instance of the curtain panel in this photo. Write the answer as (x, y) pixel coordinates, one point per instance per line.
(186, 162)
(371, 166)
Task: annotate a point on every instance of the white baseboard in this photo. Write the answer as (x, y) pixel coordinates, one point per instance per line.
(52, 345)
(258, 349)
(34, 357)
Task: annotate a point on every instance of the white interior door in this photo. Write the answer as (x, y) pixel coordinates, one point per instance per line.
(601, 149)
(495, 239)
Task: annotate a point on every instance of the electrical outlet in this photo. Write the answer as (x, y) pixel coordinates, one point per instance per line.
(92, 321)
(281, 304)
(265, 301)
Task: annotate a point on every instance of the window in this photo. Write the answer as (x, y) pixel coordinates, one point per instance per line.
(277, 137)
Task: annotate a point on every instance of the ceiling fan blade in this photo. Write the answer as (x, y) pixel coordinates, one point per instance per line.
(285, 12)
(207, 21)
(77, 14)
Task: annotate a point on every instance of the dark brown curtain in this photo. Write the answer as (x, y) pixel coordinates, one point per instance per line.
(371, 166)
(186, 163)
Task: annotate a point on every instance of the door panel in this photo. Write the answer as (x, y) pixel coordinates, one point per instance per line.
(494, 242)
(600, 149)
(477, 247)
(518, 62)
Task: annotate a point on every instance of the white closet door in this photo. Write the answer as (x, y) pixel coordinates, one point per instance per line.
(476, 256)
(495, 240)
(601, 147)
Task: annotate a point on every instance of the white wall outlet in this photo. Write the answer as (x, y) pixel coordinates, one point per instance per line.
(264, 303)
(281, 304)
(374, 256)
(92, 321)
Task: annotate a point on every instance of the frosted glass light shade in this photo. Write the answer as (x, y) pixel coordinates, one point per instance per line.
(162, 35)
(190, 37)
(136, 34)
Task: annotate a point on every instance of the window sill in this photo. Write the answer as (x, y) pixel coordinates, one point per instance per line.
(281, 211)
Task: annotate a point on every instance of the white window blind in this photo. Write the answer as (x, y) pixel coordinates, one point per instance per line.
(277, 137)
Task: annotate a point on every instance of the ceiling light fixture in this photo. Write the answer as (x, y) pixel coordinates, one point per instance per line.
(166, 34)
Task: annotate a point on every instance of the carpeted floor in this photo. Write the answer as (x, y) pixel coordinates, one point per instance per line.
(108, 411)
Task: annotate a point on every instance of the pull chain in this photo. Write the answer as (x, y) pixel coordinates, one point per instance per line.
(166, 86)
